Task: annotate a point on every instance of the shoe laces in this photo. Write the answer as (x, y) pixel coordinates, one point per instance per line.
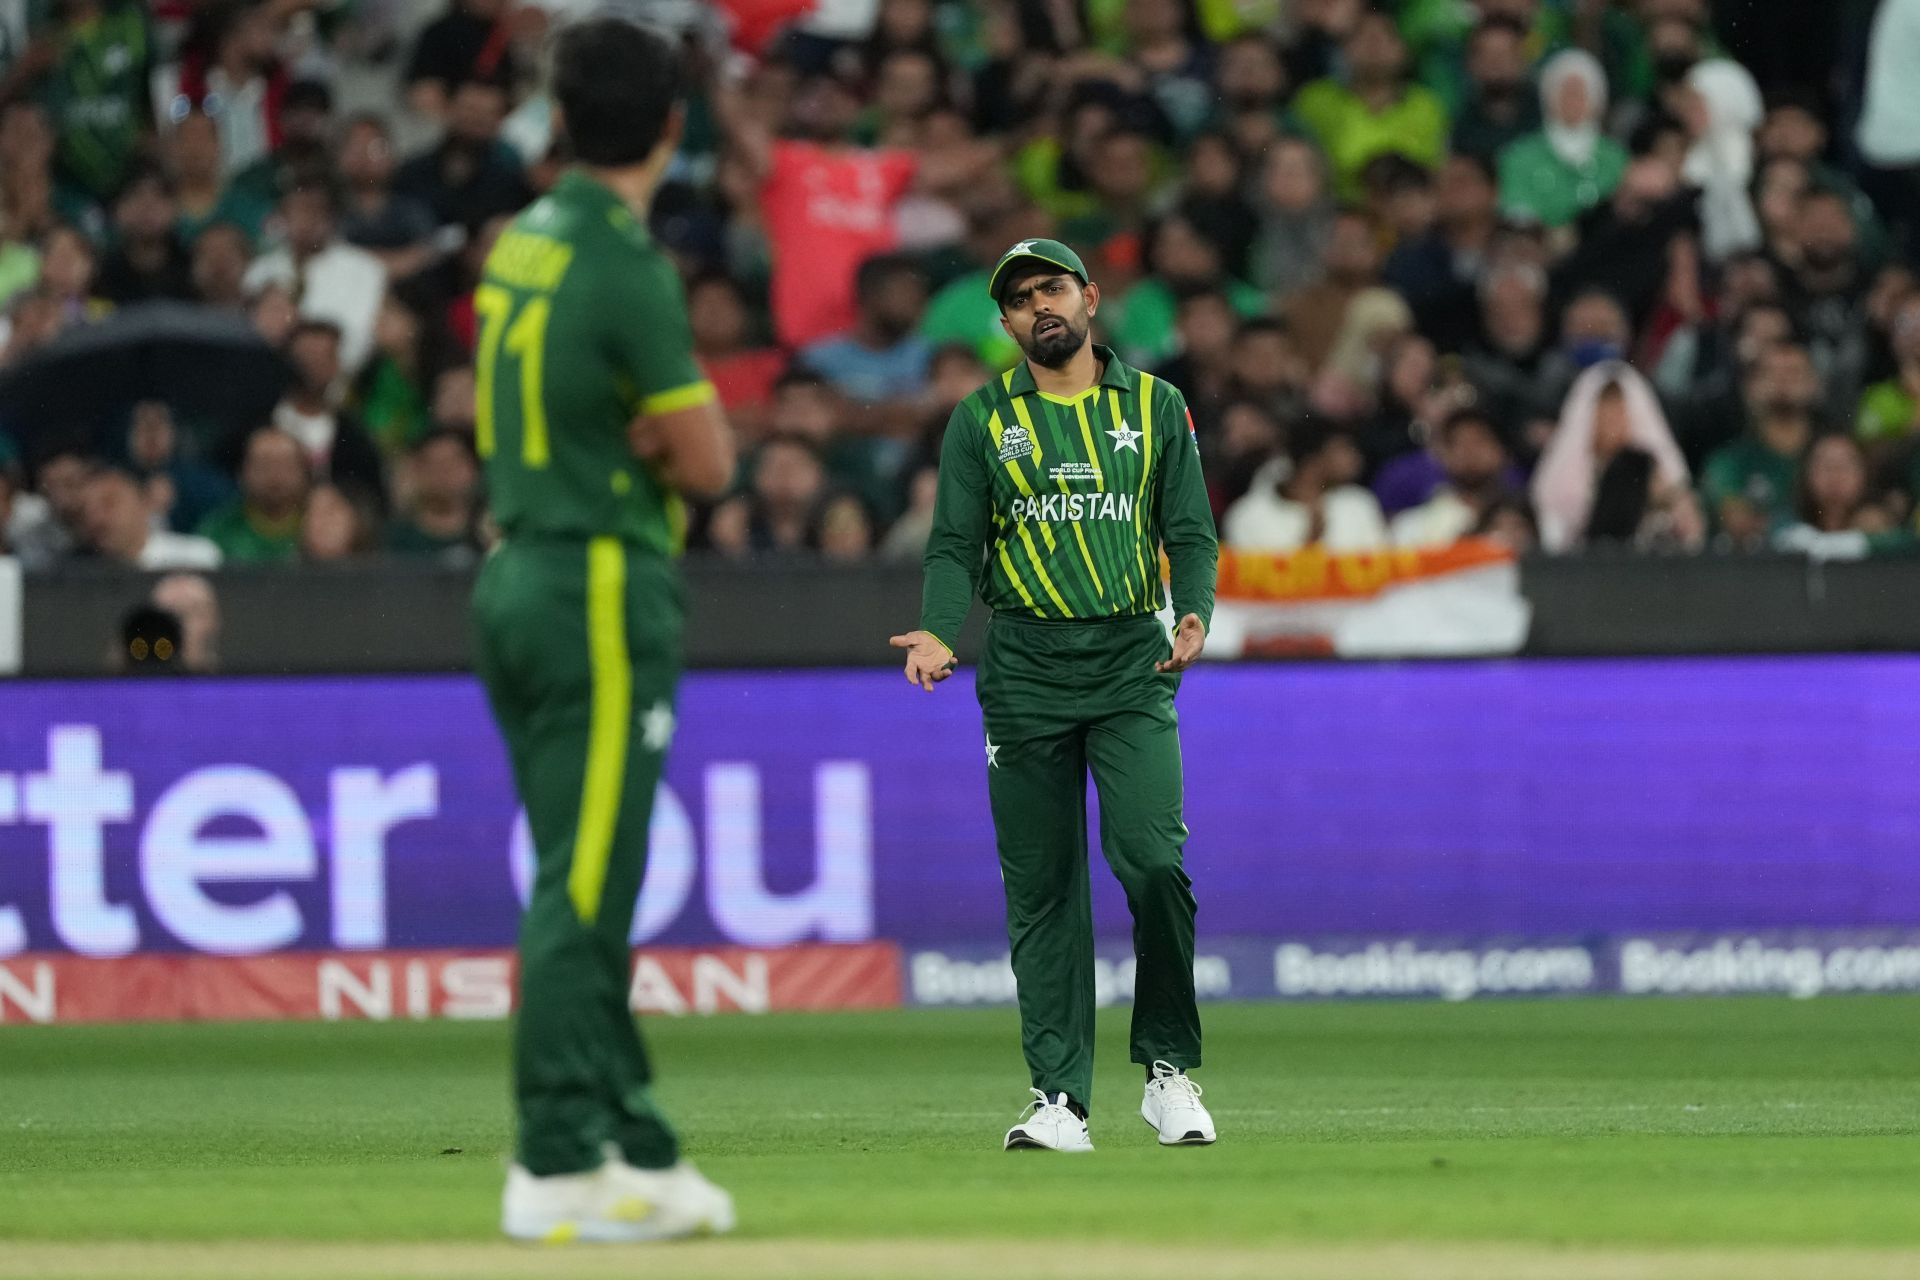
(1170, 1080)
(1041, 1102)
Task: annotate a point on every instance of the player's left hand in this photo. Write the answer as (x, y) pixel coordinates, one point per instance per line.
(1189, 638)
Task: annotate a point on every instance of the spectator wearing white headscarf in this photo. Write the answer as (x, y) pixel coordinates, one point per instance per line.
(1553, 176)
(1612, 426)
(1889, 133)
(1724, 111)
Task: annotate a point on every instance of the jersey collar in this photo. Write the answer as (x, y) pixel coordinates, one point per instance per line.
(1118, 375)
(575, 187)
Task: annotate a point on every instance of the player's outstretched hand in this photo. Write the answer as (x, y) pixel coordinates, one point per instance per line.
(928, 661)
(1188, 640)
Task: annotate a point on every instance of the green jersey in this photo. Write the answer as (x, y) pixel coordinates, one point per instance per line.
(96, 95)
(247, 538)
(1057, 507)
(583, 328)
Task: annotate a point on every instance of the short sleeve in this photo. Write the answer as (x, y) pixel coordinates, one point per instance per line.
(647, 309)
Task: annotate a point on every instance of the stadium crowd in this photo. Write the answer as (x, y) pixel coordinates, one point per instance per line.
(1553, 271)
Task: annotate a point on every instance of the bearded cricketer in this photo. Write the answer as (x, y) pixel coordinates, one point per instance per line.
(1060, 482)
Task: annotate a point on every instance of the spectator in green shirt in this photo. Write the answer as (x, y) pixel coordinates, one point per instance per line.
(91, 74)
(1553, 176)
(1749, 485)
(200, 189)
(19, 263)
(1179, 260)
(1377, 111)
(1889, 409)
(262, 526)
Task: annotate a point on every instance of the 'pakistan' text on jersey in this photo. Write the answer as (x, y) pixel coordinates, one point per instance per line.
(583, 328)
(1056, 507)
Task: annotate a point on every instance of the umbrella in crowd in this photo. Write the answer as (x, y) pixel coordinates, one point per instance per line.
(210, 367)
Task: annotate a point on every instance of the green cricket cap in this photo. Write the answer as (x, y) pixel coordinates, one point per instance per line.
(1050, 252)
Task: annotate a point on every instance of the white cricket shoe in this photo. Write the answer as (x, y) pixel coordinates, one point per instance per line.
(1048, 1124)
(1172, 1106)
(614, 1204)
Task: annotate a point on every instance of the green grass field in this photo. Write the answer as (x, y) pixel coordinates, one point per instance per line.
(1750, 1138)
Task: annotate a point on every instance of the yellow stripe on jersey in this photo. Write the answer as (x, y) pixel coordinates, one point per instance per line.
(492, 305)
(675, 399)
(1086, 434)
(1114, 417)
(1013, 576)
(1020, 410)
(611, 714)
(1040, 568)
(1150, 581)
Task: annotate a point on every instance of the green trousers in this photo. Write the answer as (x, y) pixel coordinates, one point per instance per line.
(1060, 698)
(578, 644)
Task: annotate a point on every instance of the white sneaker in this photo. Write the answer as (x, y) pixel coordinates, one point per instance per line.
(1172, 1106)
(1049, 1125)
(614, 1204)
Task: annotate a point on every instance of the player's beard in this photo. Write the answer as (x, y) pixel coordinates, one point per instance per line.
(1059, 346)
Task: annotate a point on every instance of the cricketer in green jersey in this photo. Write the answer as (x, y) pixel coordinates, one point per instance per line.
(1060, 482)
(593, 419)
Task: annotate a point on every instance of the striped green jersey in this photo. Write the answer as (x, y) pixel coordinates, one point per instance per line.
(1057, 506)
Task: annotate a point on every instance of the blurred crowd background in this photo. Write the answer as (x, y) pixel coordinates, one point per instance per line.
(1567, 273)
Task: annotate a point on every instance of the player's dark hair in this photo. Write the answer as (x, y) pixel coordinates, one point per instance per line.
(616, 83)
(1031, 269)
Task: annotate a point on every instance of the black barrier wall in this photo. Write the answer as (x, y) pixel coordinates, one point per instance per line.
(400, 617)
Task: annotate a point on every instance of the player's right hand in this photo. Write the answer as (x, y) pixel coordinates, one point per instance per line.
(928, 661)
